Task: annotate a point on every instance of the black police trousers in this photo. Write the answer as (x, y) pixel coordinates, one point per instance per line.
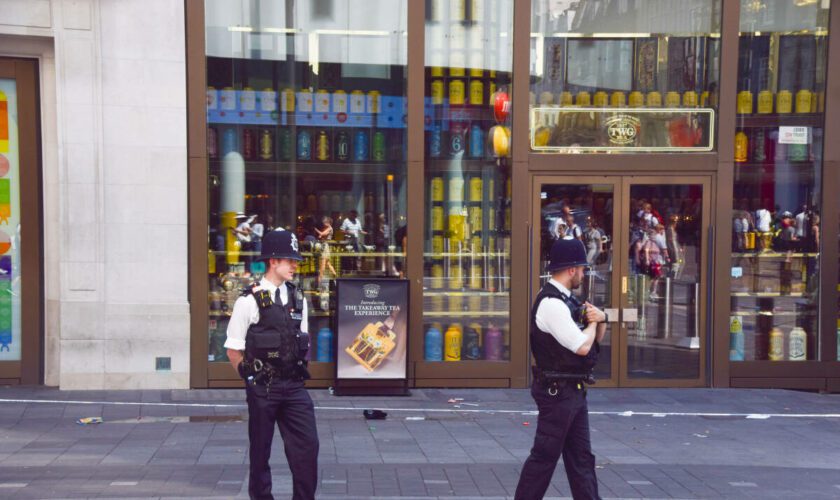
(562, 428)
(284, 403)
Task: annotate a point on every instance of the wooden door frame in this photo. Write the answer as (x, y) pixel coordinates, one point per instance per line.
(618, 340)
(30, 369)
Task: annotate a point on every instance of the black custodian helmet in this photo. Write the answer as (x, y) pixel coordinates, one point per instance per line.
(566, 252)
(280, 244)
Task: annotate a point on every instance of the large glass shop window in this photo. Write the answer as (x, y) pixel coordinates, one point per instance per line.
(306, 132)
(778, 163)
(10, 305)
(624, 76)
(466, 309)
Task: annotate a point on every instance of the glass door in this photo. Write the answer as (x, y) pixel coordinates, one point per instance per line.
(647, 245)
(665, 240)
(585, 208)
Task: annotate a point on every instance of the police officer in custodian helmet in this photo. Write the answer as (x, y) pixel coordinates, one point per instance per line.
(267, 342)
(565, 337)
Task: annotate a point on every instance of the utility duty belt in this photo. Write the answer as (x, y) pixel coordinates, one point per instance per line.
(552, 380)
(263, 373)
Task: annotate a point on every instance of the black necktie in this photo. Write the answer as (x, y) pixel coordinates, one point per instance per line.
(277, 296)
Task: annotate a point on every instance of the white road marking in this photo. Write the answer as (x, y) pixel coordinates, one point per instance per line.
(626, 413)
(124, 483)
(13, 485)
(739, 484)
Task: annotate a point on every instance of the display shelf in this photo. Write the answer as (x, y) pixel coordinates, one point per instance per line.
(772, 163)
(465, 164)
(315, 254)
(766, 294)
(288, 167)
(457, 113)
(476, 293)
(755, 120)
(464, 314)
(766, 313)
(464, 255)
(392, 110)
(776, 255)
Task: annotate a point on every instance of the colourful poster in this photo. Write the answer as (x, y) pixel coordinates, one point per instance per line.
(10, 330)
(372, 329)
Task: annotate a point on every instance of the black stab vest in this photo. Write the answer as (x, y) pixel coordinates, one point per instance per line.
(276, 338)
(549, 354)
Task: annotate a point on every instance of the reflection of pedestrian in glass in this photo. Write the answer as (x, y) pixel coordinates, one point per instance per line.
(352, 228)
(382, 233)
(787, 235)
(803, 224)
(381, 237)
(325, 235)
(638, 238)
(813, 245)
(657, 249)
(257, 232)
(788, 231)
(558, 228)
(572, 229)
(219, 233)
(269, 222)
(648, 216)
(738, 232)
(815, 233)
(675, 252)
(401, 239)
(242, 231)
(594, 240)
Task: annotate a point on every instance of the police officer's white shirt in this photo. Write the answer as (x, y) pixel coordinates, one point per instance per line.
(555, 318)
(246, 312)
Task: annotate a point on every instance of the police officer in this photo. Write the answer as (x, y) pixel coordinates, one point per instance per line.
(565, 337)
(267, 342)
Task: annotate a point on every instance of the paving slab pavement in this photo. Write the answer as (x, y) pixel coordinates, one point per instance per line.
(649, 443)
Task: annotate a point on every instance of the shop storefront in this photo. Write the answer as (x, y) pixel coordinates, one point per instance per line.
(450, 142)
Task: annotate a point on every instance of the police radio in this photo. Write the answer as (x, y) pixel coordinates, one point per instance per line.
(580, 315)
(579, 312)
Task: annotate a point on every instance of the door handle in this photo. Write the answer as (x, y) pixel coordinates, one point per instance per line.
(612, 315)
(630, 315)
(623, 285)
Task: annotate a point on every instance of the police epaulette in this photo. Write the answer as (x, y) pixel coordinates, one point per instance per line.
(261, 295)
(248, 290)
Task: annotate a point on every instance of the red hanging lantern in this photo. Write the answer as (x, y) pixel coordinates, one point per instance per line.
(501, 106)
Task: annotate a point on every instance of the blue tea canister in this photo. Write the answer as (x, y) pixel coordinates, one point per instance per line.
(229, 141)
(476, 141)
(434, 345)
(325, 345)
(304, 145)
(436, 141)
(361, 146)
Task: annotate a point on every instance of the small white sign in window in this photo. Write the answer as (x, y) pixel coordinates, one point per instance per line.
(794, 135)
